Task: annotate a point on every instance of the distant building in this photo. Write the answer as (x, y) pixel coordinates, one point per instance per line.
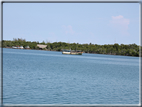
(21, 47)
(27, 47)
(41, 46)
(14, 47)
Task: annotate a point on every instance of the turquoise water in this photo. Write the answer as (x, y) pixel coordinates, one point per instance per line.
(45, 77)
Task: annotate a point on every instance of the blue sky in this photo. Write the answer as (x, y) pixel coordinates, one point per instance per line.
(96, 23)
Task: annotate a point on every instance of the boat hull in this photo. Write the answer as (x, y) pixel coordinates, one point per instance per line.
(66, 52)
(69, 52)
(76, 53)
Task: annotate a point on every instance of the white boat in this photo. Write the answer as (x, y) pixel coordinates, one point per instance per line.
(66, 52)
(72, 52)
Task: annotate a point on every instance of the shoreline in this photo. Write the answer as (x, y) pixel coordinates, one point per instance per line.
(106, 49)
(61, 51)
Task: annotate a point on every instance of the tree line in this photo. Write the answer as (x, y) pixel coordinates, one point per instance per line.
(112, 49)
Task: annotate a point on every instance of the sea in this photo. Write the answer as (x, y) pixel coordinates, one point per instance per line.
(50, 77)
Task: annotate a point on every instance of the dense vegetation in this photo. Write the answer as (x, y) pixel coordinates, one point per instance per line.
(115, 49)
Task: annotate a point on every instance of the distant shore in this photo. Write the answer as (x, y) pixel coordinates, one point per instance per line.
(61, 51)
(107, 49)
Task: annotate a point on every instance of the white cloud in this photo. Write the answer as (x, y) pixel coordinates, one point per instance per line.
(120, 23)
(68, 29)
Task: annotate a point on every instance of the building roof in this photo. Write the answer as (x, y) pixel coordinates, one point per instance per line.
(41, 46)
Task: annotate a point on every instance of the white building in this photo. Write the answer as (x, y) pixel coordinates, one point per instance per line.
(21, 47)
(27, 47)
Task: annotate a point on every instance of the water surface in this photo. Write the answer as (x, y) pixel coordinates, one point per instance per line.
(45, 77)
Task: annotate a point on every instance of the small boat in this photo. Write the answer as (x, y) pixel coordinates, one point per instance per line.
(66, 51)
(77, 52)
(72, 52)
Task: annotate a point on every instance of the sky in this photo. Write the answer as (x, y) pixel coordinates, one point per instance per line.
(96, 23)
